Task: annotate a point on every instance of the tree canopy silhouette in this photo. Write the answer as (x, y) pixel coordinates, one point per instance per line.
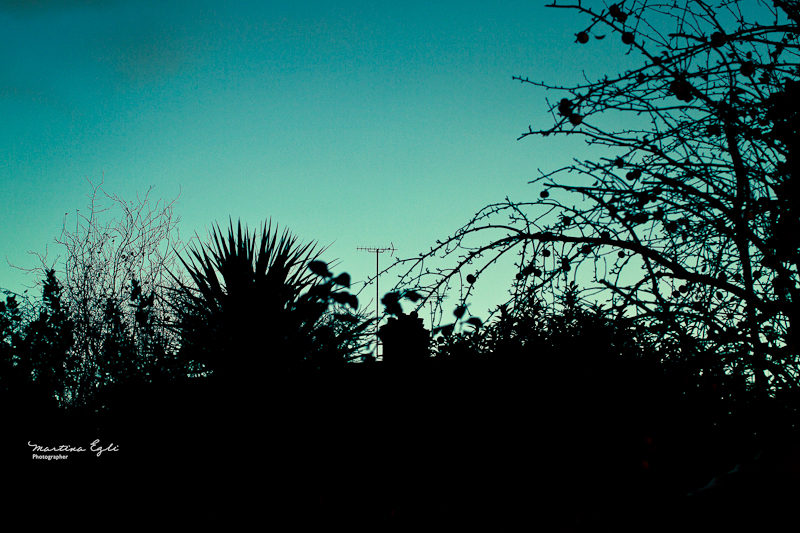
(110, 285)
(685, 222)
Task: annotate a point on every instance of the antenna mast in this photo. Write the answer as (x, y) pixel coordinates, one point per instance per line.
(377, 252)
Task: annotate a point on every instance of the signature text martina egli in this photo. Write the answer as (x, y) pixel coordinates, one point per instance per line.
(46, 452)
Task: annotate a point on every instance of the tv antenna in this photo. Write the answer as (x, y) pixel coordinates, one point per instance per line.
(377, 252)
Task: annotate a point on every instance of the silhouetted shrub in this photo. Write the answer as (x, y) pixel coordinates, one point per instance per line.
(277, 307)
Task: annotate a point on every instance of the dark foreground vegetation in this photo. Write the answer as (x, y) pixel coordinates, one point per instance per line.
(563, 422)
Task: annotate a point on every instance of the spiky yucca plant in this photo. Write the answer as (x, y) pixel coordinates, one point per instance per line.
(276, 307)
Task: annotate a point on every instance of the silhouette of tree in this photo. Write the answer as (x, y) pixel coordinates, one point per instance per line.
(276, 307)
(103, 265)
(157, 352)
(47, 343)
(685, 223)
(118, 357)
(12, 335)
(137, 349)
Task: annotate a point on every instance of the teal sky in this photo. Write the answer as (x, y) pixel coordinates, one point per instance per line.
(351, 123)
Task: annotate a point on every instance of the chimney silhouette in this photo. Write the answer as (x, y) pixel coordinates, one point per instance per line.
(405, 339)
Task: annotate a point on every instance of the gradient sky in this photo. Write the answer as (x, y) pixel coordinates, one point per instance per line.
(351, 123)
